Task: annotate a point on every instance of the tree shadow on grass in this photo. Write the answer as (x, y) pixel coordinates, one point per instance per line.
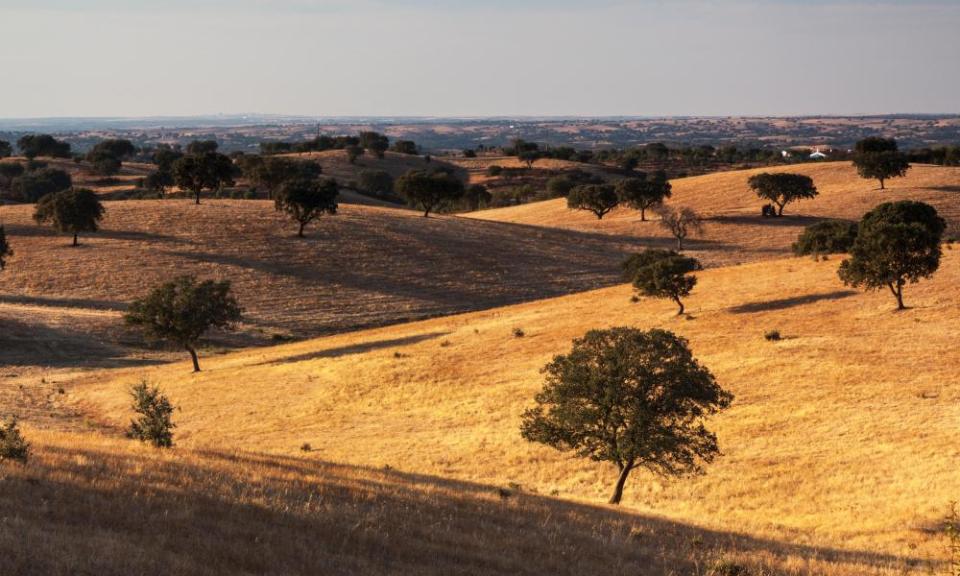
(360, 348)
(221, 512)
(784, 303)
(785, 220)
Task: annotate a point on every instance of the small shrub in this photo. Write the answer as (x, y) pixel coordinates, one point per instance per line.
(518, 332)
(12, 444)
(306, 447)
(728, 568)
(445, 343)
(772, 336)
(154, 424)
(494, 170)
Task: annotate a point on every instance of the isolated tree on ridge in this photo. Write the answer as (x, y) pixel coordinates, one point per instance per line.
(662, 274)
(782, 189)
(897, 243)
(33, 145)
(306, 199)
(631, 397)
(180, 312)
(597, 198)
(642, 192)
(206, 170)
(374, 142)
(878, 158)
(71, 211)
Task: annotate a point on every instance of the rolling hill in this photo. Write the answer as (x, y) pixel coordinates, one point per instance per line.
(841, 437)
(734, 231)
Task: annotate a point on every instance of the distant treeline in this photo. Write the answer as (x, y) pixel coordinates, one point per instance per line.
(368, 140)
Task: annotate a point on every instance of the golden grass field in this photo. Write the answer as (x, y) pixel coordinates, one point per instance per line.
(734, 232)
(840, 450)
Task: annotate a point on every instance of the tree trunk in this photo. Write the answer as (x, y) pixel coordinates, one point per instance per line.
(882, 185)
(618, 489)
(197, 193)
(76, 242)
(193, 356)
(680, 304)
(679, 242)
(780, 209)
(426, 211)
(643, 214)
(897, 290)
(300, 232)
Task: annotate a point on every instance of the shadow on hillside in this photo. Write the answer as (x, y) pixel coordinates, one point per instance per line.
(231, 513)
(356, 348)
(783, 303)
(35, 344)
(63, 302)
(785, 220)
(45, 232)
(946, 188)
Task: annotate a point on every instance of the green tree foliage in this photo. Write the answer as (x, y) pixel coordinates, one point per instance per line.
(158, 181)
(5, 250)
(631, 397)
(154, 423)
(33, 145)
(680, 222)
(9, 171)
(642, 192)
(107, 156)
(405, 147)
(353, 152)
(32, 186)
(6, 150)
(828, 237)
(597, 198)
(270, 172)
(198, 147)
(374, 142)
(306, 199)
(180, 312)
(476, 196)
(662, 274)
(559, 186)
(165, 156)
(376, 182)
(70, 211)
(879, 159)
(782, 189)
(13, 446)
(428, 190)
(203, 171)
(897, 243)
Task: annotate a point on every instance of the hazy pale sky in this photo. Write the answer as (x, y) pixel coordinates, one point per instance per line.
(478, 58)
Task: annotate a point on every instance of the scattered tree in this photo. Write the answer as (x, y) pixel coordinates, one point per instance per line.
(897, 243)
(353, 152)
(559, 186)
(203, 171)
(631, 397)
(71, 211)
(180, 312)
(828, 237)
(33, 145)
(597, 198)
(662, 274)
(306, 199)
(32, 186)
(477, 196)
(680, 222)
(642, 193)
(782, 189)
(376, 182)
(13, 446)
(107, 156)
(429, 190)
(198, 147)
(6, 150)
(158, 181)
(405, 147)
(5, 250)
(153, 423)
(374, 142)
(271, 172)
(9, 171)
(878, 158)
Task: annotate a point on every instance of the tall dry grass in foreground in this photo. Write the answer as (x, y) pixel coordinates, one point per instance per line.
(90, 505)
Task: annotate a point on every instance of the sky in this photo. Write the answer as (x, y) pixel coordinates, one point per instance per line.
(125, 58)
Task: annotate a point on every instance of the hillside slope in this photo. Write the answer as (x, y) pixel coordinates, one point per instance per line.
(735, 232)
(842, 435)
(365, 266)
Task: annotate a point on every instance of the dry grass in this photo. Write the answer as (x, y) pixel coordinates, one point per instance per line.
(735, 232)
(842, 436)
(365, 266)
(90, 505)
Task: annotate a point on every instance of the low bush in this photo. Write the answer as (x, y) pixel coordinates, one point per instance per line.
(13, 446)
(153, 424)
(829, 237)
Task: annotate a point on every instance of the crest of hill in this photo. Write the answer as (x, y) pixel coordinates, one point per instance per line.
(734, 230)
(841, 437)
